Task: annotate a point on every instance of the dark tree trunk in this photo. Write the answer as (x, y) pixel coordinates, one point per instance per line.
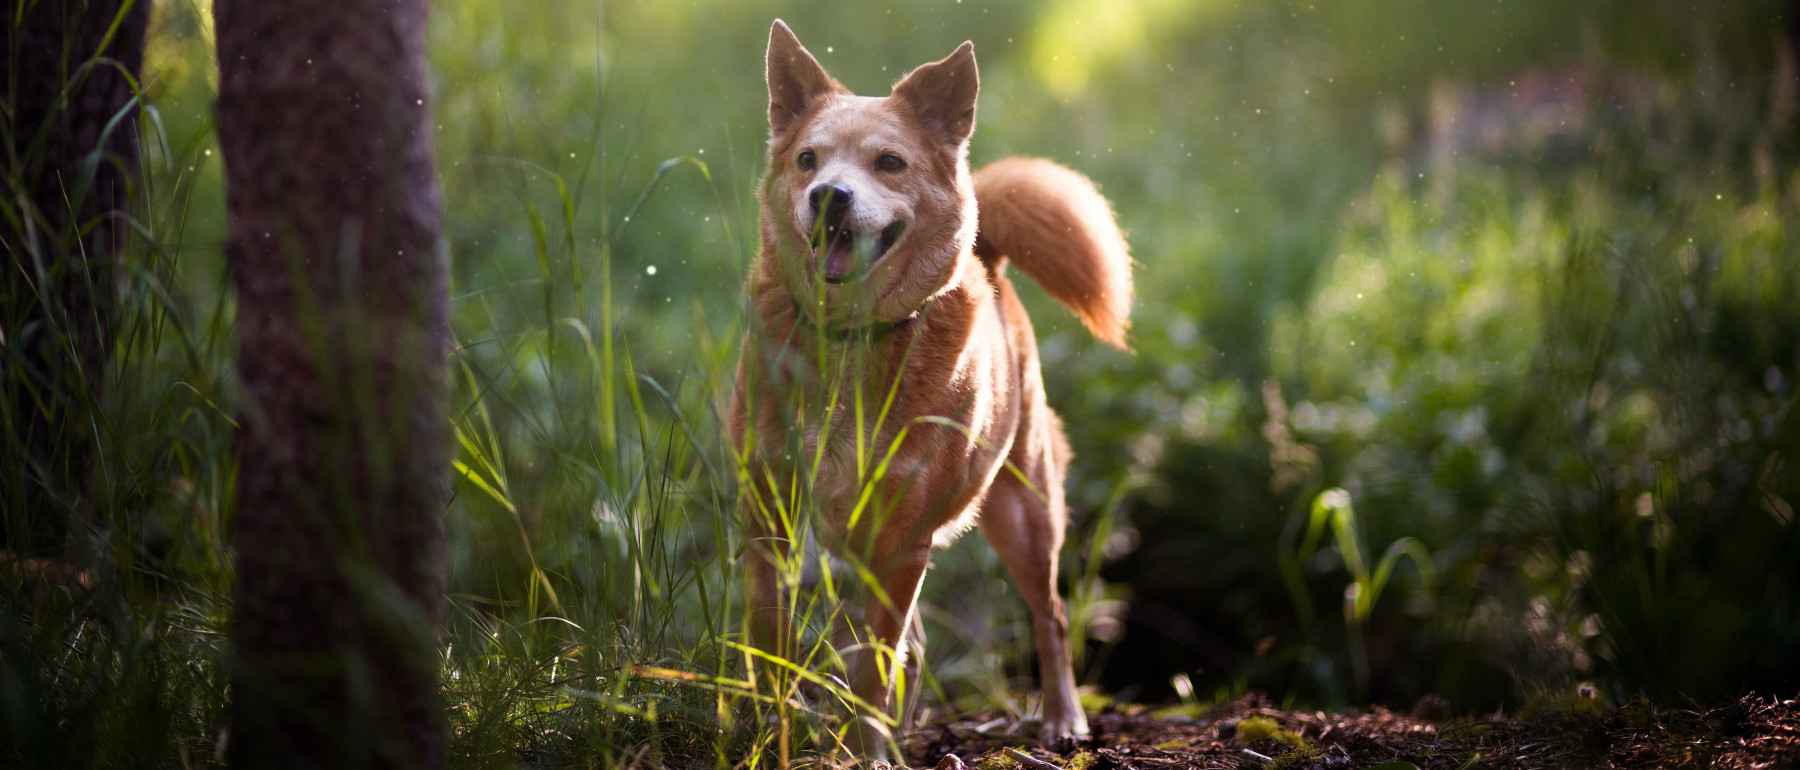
(1791, 25)
(1791, 41)
(335, 251)
(70, 151)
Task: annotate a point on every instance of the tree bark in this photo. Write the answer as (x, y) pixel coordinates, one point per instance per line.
(336, 254)
(71, 151)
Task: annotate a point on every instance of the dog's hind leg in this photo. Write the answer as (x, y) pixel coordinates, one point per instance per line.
(1026, 529)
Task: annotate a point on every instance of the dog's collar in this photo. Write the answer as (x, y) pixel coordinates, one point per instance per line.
(874, 332)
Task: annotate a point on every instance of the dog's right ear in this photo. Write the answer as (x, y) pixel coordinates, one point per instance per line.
(795, 79)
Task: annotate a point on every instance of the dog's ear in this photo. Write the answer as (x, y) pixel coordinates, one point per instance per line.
(795, 78)
(942, 95)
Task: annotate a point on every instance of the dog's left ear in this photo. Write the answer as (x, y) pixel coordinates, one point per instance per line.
(942, 95)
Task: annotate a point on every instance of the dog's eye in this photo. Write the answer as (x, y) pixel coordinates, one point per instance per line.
(890, 163)
(806, 160)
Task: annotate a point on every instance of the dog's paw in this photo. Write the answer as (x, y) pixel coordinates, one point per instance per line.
(1063, 731)
(869, 742)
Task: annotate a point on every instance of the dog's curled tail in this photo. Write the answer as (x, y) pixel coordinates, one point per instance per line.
(1056, 227)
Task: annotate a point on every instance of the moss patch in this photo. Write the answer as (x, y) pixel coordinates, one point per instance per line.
(1263, 728)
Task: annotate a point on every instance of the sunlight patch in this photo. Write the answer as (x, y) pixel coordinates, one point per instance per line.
(1078, 37)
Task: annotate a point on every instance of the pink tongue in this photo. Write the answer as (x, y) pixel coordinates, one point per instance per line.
(839, 258)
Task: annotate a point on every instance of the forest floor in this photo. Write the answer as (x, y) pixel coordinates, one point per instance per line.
(1754, 732)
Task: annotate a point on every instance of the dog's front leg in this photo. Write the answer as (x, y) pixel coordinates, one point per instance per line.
(771, 623)
(887, 617)
(769, 553)
(771, 618)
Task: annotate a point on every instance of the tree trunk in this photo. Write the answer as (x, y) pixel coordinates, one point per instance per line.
(1791, 25)
(335, 251)
(71, 149)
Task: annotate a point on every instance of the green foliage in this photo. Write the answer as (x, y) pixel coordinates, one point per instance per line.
(1509, 354)
(1334, 506)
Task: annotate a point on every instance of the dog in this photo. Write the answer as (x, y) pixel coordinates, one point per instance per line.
(890, 370)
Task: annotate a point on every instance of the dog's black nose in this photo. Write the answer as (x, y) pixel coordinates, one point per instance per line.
(834, 197)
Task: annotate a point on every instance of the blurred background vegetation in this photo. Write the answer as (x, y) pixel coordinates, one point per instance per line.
(1518, 276)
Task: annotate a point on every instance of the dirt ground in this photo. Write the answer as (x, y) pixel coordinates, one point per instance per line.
(1755, 732)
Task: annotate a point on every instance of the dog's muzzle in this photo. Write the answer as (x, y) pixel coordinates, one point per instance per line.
(839, 248)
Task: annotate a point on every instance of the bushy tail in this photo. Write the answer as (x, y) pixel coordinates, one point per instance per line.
(1056, 227)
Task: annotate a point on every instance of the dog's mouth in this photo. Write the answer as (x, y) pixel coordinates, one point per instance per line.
(840, 249)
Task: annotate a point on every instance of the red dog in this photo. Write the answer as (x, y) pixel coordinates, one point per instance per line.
(891, 372)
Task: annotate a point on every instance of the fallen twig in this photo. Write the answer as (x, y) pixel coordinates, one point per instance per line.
(990, 724)
(1030, 761)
